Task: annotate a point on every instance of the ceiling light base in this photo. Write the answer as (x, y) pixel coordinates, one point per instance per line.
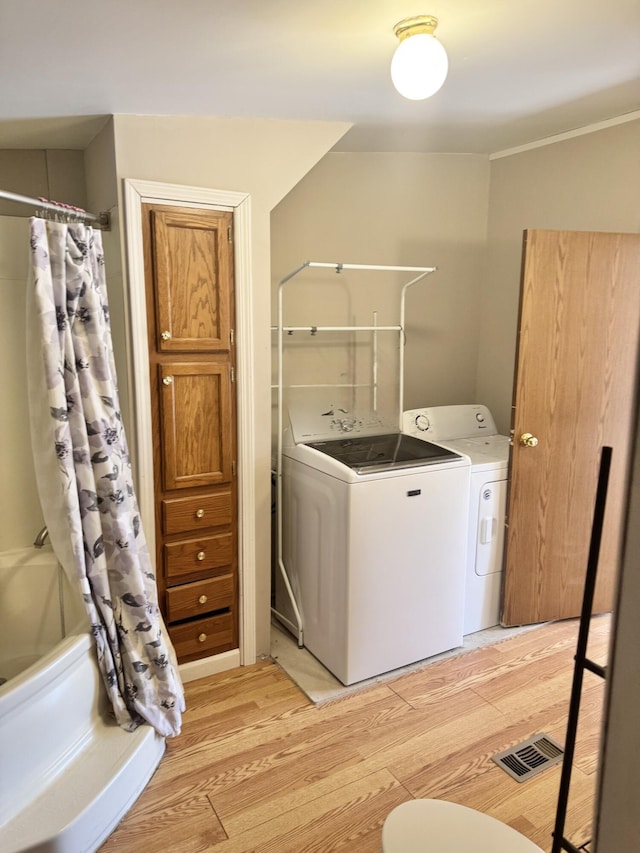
(415, 25)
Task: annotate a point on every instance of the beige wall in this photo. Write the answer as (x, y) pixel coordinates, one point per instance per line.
(20, 513)
(100, 170)
(387, 209)
(54, 174)
(588, 183)
(42, 173)
(265, 159)
(102, 196)
(619, 822)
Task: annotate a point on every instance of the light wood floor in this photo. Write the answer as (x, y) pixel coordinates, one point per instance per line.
(260, 768)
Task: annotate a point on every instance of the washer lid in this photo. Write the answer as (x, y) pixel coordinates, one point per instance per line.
(366, 454)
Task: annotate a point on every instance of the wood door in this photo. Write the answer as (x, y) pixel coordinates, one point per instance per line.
(192, 271)
(576, 366)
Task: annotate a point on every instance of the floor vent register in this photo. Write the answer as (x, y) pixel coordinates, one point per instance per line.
(530, 757)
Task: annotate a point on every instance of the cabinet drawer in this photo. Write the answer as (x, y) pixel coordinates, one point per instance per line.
(180, 515)
(197, 555)
(206, 636)
(199, 598)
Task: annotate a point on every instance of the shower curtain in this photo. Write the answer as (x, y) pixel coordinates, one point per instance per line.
(84, 474)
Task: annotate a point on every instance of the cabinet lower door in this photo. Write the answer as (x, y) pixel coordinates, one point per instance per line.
(195, 400)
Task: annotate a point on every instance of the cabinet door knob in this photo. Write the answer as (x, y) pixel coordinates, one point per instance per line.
(202, 599)
(167, 380)
(200, 556)
(202, 637)
(199, 513)
(166, 336)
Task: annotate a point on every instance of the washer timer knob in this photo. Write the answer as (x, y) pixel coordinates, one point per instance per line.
(480, 417)
(422, 422)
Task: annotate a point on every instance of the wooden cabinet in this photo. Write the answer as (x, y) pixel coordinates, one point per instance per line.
(190, 300)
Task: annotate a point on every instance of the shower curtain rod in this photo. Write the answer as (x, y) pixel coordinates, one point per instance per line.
(102, 220)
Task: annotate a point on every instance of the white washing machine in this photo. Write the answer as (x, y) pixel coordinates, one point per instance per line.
(471, 430)
(373, 542)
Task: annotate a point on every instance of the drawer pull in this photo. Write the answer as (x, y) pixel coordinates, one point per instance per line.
(166, 336)
(167, 380)
(200, 556)
(202, 637)
(199, 513)
(203, 599)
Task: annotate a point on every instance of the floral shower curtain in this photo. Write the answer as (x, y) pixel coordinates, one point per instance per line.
(84, 474)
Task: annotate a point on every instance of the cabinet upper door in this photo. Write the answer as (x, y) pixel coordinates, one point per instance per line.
(195, 403)
(192, 269)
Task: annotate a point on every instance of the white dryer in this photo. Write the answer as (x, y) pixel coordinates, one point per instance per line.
(471, 430)
(373, 542)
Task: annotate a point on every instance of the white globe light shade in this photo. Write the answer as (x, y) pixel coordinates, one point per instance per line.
(419, 66)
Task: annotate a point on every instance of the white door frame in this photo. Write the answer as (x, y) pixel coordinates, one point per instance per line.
(136, 193)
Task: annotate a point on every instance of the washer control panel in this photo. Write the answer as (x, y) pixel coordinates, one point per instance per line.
(325, 423)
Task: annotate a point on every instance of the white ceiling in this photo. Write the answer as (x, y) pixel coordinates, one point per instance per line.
(519, 70)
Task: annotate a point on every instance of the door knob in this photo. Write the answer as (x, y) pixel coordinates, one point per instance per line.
(528, 440)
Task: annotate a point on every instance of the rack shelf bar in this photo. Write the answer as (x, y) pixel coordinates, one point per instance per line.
(331, 385)
(314, 329)
(377, 267)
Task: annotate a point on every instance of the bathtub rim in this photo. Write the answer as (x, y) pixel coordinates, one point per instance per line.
(43, 672)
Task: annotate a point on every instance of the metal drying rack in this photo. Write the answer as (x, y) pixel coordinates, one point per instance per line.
(297, 628)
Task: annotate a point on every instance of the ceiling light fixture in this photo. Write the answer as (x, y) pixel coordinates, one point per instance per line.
(420, 64)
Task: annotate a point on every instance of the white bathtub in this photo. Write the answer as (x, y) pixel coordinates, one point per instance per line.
(68, 773)
(37, 608)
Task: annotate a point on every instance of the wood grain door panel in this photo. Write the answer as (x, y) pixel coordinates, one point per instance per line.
(196, 416)
(574, 391)
(192, 275)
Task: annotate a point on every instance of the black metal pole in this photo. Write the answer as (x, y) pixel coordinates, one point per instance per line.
(559, 842)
